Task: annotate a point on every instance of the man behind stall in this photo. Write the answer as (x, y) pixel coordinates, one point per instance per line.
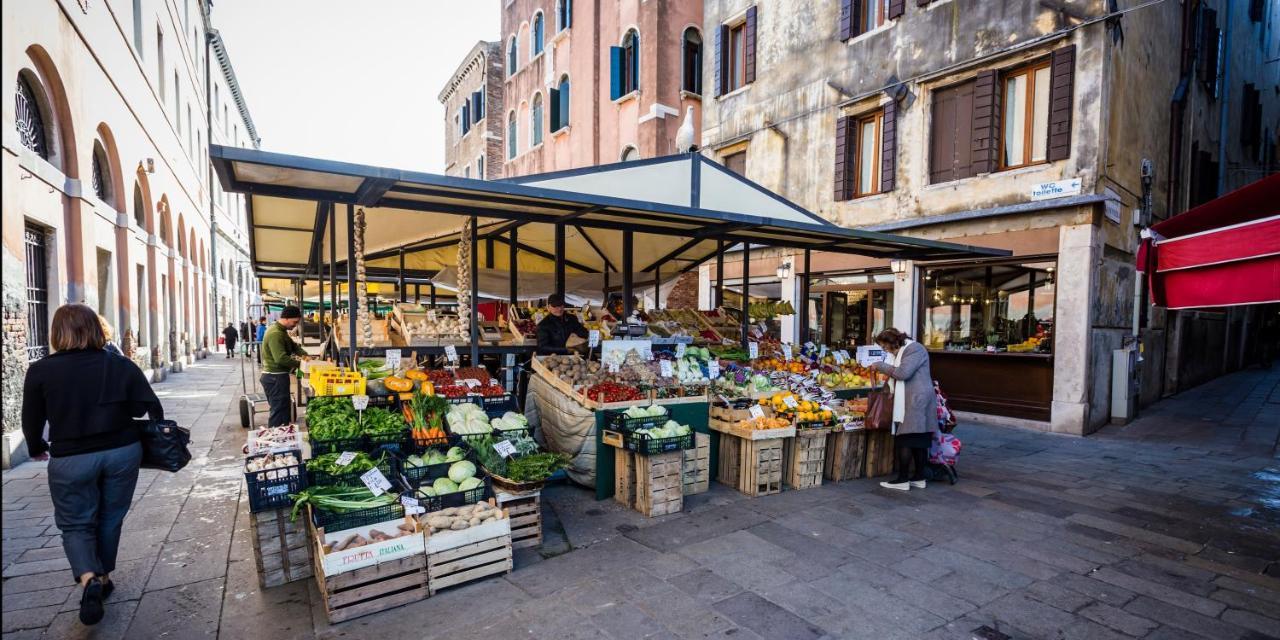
(280, 357)
(555, 329)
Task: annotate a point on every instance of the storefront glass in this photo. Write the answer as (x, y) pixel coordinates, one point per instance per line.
(990, 307)
(849, 309)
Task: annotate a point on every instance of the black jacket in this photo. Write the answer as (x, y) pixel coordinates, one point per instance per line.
(554, 332)
(89, 397)
(230, 334)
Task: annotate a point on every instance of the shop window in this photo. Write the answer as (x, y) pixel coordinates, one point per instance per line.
(998, 307)
(737, 163)
(535, 121)
(624, 66)
(564, 14)
(691, 78)
(535, 33)
(1024, 138)
(560, 104)
(29, 119)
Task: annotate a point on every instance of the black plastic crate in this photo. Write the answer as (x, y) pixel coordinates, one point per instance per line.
(270, 488)
(387, 440)
(386, 402)
(416, 445)
(337, 445)
(511, 433)
(334, 521)
(618, 421)
(428, 473)
(455, 499)
(351, 478)
(646, 446)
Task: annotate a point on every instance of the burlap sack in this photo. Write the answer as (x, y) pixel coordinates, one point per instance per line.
(565, 426)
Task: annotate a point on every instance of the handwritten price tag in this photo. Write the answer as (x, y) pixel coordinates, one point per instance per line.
(377, 483)
(411, 505)
(756, 411)
(360, 402)
(808, 346)
(680, 349)
(471, 382)
(713, 369)
(505, 448)
(822, 352)
(753, 350)
(665, 366)
(790, 401)
(613, 367)
(593, 338)
(786, 352)
(346, 458)
(451, 352)
(393, 358)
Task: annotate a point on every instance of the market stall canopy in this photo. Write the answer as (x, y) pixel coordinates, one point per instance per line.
(1225, 252)
(678, 207)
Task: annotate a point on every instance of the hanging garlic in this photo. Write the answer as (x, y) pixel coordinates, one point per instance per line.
(362, 290)
(464, 278)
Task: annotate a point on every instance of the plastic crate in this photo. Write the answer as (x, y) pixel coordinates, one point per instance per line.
(647, 446)
(455, 499)
(337, 445)
(270, 488)
(394, 441)
(334, 521)
(618, 421)
(511, 433)
(330, 382)
(351, 478)
(429, 472)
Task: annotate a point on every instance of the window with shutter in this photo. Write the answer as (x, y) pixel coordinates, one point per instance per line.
(736, 58)
(1210, 42)
(986, 122)
(624, 63)
(535, 121)
(1251, 118)
(951, 134)
(1024, 136)
(846, 19)
(1062, 82)
(749, 47)
(889, 147)
(615, 73)
(842, 173)
(536, 40)
(512, 53)
(859, 159)
(737, 163)
(477, 106)
(895, 9)
(691, 78)
(722, 59)
(553, 97)
(465, 118)
(512, 140)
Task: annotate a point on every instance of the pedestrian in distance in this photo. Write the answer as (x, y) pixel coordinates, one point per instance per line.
(260, 332)
(915, 411)
(89, 398)
(230, 335)
(109, 333)
(280, 357)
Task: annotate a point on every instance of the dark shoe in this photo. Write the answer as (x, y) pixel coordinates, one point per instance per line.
(91, 603)
(107, 588)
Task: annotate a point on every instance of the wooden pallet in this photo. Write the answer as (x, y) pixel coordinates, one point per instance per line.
(281, 549)
(469, 555)
(696, 469)
(374, 588)
(732, 428)
(858, 454)
(652, 485)
(803, 458)
(525, 511)
(753, 467)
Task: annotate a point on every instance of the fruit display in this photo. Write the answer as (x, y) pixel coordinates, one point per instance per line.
(766, 310)
(1026, 346)
(613, 392)
(764, 423)
(479, 374)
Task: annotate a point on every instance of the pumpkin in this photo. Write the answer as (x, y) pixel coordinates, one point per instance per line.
(416, 374)
(397, 384)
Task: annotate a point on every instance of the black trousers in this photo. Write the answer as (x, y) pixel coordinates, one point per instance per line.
(91, 495)
(276, 387)
(913, 451)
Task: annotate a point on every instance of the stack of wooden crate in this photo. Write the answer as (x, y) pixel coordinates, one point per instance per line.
(751, 460)
(858, 454)
(652, 485)
(281, 548)
(804, 455)
(458, 557)
(697, 466)
(525, 511)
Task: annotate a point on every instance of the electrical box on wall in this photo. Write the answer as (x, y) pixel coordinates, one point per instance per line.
(1124, 385)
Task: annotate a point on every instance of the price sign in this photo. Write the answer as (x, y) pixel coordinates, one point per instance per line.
(790, 401)
(431, 315)
(786, 352)
(451, 352)
(505, 448)
(613, 367)
(665, 366)
(471, 382)
(840, 357)
(376, 482)
(680, 349)
(411, 505)
(393, 358)
(822, 352)
(360, 402)
(593, 338)
(756, 411)
(808, 346)
(346, 458)
(713, 368)
(753, 350)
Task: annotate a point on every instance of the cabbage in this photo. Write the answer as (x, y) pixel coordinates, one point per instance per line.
(455, 454)
(656, 411)
(444, 485)
(428, 492)
(517, 419)
(435, 457)
(468, 484)
(460, 471)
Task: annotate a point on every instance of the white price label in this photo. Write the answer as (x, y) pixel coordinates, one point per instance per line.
(680, 349)
(360, 402)
(613, 367)
(431, 315)
(408, 501)
(808, 346)
(756, 411)
(786, 352)
(593, 338)
(471, 382)
(505, 448)
(393, 358)
(844, 353)
(753, 350)
(839, 357)
(790, 401)
(376, 482)
(346, 458)
(822, 352)
(665, 367)
(451, 352)
(713, 369)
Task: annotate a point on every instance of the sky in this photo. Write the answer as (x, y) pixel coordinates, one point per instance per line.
(352, 81)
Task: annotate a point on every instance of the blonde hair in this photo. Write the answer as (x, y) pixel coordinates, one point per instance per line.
(76, 326)
(107, 331)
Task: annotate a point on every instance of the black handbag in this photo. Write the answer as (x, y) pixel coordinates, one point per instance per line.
(164, 445)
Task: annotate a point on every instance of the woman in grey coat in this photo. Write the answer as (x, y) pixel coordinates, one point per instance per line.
(915, 405)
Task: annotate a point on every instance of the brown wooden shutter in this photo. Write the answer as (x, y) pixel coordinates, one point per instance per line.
(1062, 71)
(750, 38)
(1209, 37)
(922, 3)
(844, 181)
(896, 9)
(889, 147)
(942, 136)
(986, 121)
(722, 60)
(846, 19)
(963, 133)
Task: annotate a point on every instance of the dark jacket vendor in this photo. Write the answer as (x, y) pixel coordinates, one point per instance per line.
(280, 357)
(555, 329)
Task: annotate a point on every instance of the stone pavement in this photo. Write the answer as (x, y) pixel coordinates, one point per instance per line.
(1168, 528)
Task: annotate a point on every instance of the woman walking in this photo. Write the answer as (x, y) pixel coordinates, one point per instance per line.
(229, 336)
(915, 411)
(89, 398)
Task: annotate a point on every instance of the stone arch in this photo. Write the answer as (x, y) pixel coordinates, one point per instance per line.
(143, 213)
(115, 176)
(165, 230)
(181, 237)
(51, 97)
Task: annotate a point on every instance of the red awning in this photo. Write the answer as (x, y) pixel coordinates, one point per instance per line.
(1225, 252)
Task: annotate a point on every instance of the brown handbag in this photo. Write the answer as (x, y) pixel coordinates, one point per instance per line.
(879, 406)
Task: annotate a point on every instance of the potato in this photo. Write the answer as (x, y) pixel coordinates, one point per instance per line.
(440, 522)
(449, 512)
(474, 521)
(459, 525)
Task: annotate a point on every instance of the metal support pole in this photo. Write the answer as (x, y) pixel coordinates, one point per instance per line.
(513, 265)
(320, 268)
(475, 295)
(351, 282)
(299, 289)
(626, 275)
(657, 288)
(746, 287)
(488, 253)
(433, 294)
(333, 265)
(400, 284)
(804, 301)
(560, 258)
(718, 300)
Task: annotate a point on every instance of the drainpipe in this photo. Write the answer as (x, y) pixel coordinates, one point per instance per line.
(213, 214)
(1225, 59)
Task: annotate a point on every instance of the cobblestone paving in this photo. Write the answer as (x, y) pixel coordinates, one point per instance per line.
(1168, 528)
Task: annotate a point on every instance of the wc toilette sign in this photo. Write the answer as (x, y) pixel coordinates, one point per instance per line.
(1059, 189)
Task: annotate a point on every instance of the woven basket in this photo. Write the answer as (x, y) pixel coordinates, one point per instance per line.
(511, 486)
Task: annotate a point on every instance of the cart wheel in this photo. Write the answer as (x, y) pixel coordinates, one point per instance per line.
(246, 412)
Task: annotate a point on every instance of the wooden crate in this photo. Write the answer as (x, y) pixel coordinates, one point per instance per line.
(374, 588)
(753, 467)
(652, 485)
(880, 458)
(281, 549)
(732, 428)
(525, 511)
(803, 458)
(458, 557)
(696, 469)
(858, 454)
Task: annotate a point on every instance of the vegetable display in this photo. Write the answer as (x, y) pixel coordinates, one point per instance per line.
(379, 421)
(535, 467)
(339, 499)
(510, 421)
(468, 419)
(425, 414)
(461, 477)
(375, 535)
(459, 518)
(434, 456)
(670, 429)
(332, 418)
(613, 392)
(270, 461)
(328, 463)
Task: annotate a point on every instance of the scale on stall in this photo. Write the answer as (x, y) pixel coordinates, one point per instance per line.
(490, 332)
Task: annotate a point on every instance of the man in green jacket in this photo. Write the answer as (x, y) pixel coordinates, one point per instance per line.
(280, 356)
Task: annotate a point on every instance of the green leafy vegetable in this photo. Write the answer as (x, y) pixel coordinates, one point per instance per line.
(379, 421)
(339, 499)
(536, 467)
(332, 418)
(328, 463)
